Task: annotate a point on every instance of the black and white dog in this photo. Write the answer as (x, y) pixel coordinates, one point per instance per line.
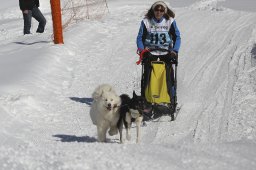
(132, 110)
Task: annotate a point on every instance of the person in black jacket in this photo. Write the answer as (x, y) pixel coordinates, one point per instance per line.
(30, 9)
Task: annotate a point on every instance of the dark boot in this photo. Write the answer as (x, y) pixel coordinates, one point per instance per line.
(40, 30)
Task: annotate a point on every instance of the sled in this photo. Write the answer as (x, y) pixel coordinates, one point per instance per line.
(159, 82)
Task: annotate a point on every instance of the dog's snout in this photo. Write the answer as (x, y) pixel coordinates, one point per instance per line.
(109, 105)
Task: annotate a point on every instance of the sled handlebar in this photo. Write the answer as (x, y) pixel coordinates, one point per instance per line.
(159, 49)
(172, 59)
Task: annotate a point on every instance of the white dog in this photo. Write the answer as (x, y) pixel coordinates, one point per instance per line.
(105, 111)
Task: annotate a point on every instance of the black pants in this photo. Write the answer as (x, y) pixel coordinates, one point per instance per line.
(35, 13)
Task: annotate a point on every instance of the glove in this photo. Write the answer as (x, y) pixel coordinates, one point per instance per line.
(174, 57)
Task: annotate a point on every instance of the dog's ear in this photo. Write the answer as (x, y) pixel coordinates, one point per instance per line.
(97, 94)
(101, 93)
(109, 89)
(134, 94)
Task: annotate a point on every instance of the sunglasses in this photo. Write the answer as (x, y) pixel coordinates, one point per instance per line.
(159, 10)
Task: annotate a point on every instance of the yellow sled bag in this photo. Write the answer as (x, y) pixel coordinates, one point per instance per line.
(156, 90)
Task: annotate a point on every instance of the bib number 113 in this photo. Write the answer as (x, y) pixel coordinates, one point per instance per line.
(156, 38)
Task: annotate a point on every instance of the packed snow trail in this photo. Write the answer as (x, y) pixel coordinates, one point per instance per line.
(45, 102)
(217, 58)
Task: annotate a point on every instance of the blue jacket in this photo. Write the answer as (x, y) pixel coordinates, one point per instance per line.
(173, 32)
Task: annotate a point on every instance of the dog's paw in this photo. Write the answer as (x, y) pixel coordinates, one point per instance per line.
(128, 137)
(101, 139)
(113, 131)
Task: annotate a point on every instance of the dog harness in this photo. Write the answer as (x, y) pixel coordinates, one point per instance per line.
(134, 113)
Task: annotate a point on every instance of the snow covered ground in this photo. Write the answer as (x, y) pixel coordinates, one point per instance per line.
(248, 5)
(45, 91)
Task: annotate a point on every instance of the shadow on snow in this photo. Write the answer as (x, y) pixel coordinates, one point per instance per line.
(254, 51)
(31, 43)
(87, 101)
(86, 139)
(73, 138)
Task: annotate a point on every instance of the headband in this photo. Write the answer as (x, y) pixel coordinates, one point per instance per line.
(160, 3)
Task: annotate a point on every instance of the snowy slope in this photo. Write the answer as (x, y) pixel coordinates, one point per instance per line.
(45, 91)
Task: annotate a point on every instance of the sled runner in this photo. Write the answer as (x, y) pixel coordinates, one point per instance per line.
(159, 82)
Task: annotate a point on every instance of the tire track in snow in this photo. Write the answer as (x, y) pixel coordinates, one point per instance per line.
(208, 122)
(236, 123)
(236, 65)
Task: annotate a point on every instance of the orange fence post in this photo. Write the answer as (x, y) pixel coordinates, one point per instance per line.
(56, 21)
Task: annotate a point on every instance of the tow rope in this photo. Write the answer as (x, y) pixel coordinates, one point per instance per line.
(141, 55)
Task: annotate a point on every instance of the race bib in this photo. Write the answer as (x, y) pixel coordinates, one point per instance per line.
(158, 33)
